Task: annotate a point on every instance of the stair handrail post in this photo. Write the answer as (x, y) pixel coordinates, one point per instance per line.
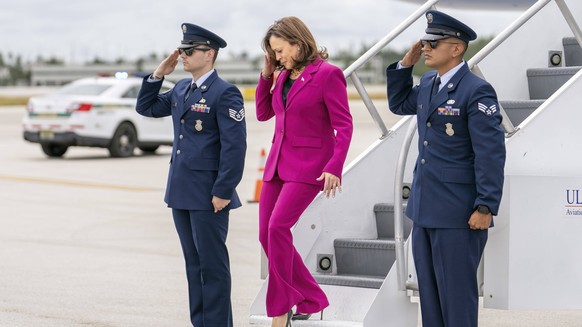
(570, 20)
(398, 212)
(369, 105)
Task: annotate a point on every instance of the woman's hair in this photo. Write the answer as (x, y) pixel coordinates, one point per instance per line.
(294, 31)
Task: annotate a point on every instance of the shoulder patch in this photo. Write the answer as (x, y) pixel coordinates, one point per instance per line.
(488, 110)
(237, 115)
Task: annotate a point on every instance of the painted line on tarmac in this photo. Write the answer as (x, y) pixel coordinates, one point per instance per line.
(75, 183)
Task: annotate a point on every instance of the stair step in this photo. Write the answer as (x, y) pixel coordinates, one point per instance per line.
(519, 110)
(572, 52)
(363, 281)
(385, 220)
(364, 257)
(543, 82)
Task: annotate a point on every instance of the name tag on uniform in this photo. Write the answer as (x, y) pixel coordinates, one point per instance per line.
(200, 107)
(448, 111)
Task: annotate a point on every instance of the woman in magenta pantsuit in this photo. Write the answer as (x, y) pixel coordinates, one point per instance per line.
(313, 130)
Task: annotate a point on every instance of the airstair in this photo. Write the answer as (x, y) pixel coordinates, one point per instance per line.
(356, 244)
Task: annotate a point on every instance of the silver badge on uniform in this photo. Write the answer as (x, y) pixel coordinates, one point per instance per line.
(450, 131)
(203, 87)
(451, 101)
(198, 125)
(202, 100)
(450, 85)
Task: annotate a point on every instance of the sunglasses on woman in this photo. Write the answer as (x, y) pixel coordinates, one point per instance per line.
(190, 51)
(433, 44)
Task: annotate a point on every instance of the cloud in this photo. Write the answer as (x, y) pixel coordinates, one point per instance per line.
(80, 30)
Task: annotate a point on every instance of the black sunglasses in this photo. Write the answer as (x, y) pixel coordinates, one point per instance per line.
(433, 44)
(190, 51)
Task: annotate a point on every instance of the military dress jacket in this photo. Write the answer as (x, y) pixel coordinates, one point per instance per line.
(313, 130)
(461, 145)
(209, 140)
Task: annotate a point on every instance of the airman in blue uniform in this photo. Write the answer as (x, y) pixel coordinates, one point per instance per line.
(206, 165)
(458, 177)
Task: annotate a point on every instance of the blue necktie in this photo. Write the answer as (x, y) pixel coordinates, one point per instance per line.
(190, 90)
(435, 87)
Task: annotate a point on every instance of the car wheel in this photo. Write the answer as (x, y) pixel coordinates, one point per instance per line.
(124, 141)
(149, 149)
(53, 149)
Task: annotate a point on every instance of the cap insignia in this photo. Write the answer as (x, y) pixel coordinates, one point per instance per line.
(429, 18)
(184, 28)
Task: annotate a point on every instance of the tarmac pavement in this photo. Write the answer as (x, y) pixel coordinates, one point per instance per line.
(87, 241)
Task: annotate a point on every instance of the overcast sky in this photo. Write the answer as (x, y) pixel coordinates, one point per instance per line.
(80, 30)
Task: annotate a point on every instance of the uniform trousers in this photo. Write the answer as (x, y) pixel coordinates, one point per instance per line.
(203, 238)
(290, 283)
(446, 261)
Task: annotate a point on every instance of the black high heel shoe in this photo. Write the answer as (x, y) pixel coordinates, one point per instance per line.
(289, 318)
(305, 316)
(301, 316)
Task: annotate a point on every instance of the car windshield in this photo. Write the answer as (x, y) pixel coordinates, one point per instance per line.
(84, 89)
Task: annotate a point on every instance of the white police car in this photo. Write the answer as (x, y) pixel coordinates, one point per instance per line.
(95, 112)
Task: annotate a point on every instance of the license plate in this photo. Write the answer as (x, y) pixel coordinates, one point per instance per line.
(47, 135)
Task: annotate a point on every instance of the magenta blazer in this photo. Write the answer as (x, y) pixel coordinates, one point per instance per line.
(313, 132)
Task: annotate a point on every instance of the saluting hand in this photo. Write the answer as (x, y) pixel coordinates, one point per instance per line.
(413, 55)
(168, 65)
(332, 182)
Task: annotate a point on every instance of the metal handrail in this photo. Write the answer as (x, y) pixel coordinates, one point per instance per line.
(506, 33)
(374, 50)
(398, 209)
(508, 126)
(388, 38)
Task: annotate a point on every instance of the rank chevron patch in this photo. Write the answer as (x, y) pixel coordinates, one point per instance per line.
(237, 115)
(487, 110)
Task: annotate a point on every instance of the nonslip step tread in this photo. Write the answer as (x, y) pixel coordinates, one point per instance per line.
(551, 71)
(356, 243)
(350, 280)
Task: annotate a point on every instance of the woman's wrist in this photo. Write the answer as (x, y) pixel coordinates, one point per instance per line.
(266, 77)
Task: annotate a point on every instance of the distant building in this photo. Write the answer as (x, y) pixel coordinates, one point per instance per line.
(238, 71)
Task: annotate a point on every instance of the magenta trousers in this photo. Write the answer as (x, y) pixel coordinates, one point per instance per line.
(290, 282)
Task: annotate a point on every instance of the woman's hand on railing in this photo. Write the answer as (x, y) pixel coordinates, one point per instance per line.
(413, 55)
